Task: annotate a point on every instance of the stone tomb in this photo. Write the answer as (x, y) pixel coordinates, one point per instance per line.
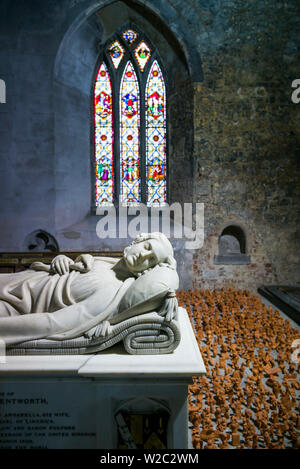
(106, 401)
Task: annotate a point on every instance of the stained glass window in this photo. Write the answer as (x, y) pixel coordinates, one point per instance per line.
(116, 53)
(130, 123)
(156, 137)
(130, 108)
(103, 137)
(130, 36)
(142, 54)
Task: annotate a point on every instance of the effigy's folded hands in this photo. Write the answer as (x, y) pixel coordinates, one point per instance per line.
(83, 263)
(61, 264)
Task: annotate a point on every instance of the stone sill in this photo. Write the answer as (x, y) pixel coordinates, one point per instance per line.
(233, 259)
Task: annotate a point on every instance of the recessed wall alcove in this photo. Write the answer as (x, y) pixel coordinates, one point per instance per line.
(232, 246)
(40, 240)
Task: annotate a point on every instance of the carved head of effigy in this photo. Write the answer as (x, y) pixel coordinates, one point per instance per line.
(147, 251)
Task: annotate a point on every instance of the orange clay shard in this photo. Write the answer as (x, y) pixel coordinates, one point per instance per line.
(248, 396)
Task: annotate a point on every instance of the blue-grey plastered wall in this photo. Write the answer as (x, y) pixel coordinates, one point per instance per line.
(48, 58)
(233, 134)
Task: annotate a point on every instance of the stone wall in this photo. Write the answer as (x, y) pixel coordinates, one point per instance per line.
(234, 140)
(247, 139)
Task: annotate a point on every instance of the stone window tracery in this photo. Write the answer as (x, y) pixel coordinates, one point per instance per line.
(130, 150)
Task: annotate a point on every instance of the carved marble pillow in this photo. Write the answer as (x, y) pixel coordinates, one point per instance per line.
(147, 293)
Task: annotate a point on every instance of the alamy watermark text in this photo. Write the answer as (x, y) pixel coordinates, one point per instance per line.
(185, 222)
(2, 91)
(296, 94)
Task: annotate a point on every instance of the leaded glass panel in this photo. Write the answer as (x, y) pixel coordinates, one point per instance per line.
(142, 54)
(137, 166)
(116, 53)
(156, 137)
(103, 138)
(129, 36)
(130, 185)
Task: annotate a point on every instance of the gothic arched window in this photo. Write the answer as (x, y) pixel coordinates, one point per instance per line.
(130, 123)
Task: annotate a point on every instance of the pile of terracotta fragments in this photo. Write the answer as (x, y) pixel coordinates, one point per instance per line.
(249, 397)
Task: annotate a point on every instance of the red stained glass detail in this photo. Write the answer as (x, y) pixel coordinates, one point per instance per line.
(129, 136)
(156, 171)
(103, 138)
(155, 104)
(103, 105)
(156, 137)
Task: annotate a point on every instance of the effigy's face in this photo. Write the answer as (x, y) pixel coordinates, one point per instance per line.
(143, 255)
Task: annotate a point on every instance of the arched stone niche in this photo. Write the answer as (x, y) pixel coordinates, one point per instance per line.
(74, 73)
(41, 241)
(232, 246)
